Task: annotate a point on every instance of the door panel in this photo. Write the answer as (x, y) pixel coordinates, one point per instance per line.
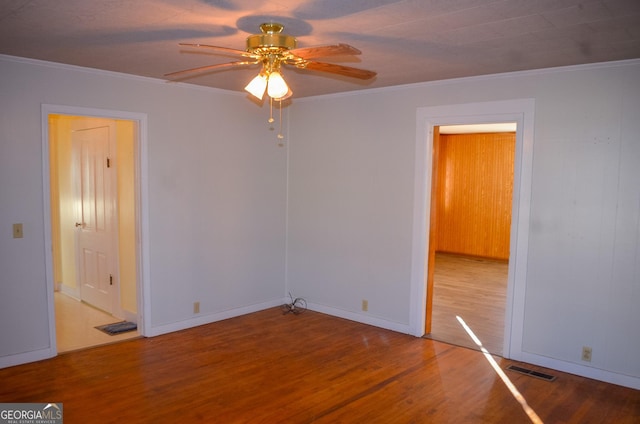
(95, 206)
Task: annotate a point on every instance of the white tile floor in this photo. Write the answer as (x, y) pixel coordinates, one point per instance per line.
(75, 322)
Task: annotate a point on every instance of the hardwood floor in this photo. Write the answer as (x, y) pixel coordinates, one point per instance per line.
(76, 322)
(476, 290)
(268, 367)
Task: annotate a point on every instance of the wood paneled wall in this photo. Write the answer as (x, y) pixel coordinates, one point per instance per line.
(474, 191)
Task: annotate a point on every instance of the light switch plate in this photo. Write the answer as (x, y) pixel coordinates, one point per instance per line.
(17, 231)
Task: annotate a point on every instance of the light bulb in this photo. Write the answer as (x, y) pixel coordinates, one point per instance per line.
(257, 86)
(277, 88)
(286, 96)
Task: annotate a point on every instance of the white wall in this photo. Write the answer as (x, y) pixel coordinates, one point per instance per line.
(351, 202)
(127, 254)
(217, 201)
(216, 189)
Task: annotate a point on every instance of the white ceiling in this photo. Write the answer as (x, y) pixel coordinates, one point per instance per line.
(404, 41)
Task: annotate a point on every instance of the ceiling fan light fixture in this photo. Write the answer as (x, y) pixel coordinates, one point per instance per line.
(272, 49)
(277, 87)
(257, 86)
(286, 96)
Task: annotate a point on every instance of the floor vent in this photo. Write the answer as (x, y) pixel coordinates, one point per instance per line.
(532, 373)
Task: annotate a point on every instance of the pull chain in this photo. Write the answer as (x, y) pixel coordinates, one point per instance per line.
(270, 109)
(280, 136)
(271, 120)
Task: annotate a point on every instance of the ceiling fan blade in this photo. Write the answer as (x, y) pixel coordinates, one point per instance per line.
(323, 51)
(339, 69)
(220, 49)
(209, 67)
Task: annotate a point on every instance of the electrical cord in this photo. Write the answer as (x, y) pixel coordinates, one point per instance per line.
(297, 306)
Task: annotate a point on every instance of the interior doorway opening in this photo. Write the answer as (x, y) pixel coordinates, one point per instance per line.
(94, 222)
(469, 237)
(521, 111)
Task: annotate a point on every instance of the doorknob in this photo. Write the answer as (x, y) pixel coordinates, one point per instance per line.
(78, 224)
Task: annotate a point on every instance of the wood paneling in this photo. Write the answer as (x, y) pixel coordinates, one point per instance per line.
(268, 367)
(475, 174)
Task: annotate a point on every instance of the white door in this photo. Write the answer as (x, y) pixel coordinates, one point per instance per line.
(95, 206)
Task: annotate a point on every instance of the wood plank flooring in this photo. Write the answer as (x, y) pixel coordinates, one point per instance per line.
(268, 367)
(475, 289)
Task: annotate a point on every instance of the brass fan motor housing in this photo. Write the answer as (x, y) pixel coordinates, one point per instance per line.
(271, 37)
(272, 49)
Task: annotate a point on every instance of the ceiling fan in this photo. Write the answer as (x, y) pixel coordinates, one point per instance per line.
(271, 49)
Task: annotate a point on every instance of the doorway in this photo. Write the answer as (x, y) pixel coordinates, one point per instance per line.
(521, 111)
(471, 197)
(94, 222)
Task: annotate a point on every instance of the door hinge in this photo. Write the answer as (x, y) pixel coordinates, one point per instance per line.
(108, 162)
(110, 280)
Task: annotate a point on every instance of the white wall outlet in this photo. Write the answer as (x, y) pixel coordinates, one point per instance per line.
(365, 305)
(586, 354)
(196, 307)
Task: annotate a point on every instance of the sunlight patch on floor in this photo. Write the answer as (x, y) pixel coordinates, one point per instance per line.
(505, 379)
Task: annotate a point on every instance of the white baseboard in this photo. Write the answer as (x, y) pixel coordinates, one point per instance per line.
(208, 319)
(24, 358)
(130, 316)
(70, 291)
(581, 370)
(361, 318)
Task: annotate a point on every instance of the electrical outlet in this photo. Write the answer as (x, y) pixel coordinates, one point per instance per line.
(196, 307)
(365, 305)
(586, 354)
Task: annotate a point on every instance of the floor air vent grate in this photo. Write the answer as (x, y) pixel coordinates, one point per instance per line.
(532, 373)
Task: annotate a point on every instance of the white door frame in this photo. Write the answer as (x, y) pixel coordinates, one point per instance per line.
(520, 111)
(142, 213)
